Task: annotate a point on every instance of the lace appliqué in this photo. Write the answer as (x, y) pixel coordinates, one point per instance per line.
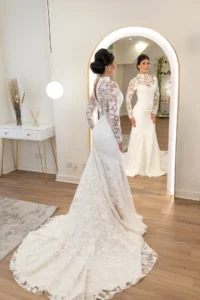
(108, 103)
(114, 110)
(156, 98)
(132, 88)
(90, 110)
(149, 258)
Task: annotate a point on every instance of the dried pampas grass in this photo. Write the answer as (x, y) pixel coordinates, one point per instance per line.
(16, 100)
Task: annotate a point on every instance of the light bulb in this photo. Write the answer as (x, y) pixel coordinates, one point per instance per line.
(141, 46)
(54, 90)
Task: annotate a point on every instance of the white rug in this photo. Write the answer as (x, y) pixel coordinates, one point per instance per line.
(17, 218)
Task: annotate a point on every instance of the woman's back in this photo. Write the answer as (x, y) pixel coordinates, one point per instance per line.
(107, 98)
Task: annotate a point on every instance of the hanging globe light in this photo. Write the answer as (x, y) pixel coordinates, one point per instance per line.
(54, 90)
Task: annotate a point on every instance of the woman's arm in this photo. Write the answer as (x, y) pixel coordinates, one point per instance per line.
(89, 112)
(156, 98)
(131, 90)
(114, 110)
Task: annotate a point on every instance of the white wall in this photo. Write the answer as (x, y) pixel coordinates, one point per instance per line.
(4, 111)
(76, 23)
(4, 107)
(24, 35)
(128, 51)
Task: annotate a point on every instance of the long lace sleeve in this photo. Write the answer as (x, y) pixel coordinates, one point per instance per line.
(114, 110)
(156, 98)
(131, 90)
(89, 112)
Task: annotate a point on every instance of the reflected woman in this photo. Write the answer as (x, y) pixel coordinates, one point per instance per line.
(144, 156)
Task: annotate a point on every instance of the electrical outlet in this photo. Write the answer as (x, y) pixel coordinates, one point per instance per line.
(37, 156)
(71, 165)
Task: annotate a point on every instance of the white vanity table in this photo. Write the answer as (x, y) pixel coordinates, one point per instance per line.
(29, 132)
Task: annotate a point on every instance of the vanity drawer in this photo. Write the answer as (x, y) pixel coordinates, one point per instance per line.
(32, 135)
(8, 133)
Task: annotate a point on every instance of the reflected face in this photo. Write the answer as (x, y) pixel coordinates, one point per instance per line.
(144, 66)
(112, 68)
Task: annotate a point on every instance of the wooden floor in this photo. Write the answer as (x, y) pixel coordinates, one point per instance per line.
(162, 130)
(174, 232)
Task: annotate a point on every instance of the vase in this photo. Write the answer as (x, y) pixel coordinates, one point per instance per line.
(18, 116)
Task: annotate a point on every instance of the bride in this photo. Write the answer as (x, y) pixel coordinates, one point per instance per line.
(97, 249)
(144, 156)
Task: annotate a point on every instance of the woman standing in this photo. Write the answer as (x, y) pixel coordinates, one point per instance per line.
(144, 156)
(97, 249)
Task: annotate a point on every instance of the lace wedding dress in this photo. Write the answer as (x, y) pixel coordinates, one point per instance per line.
(97, 249)
(144, 156)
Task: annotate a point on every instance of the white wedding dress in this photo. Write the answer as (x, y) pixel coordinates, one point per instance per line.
(144, 156)
(97, 249)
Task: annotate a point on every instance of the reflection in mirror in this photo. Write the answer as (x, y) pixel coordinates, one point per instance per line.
(145, 81)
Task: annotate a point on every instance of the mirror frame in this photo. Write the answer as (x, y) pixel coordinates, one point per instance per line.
(174, 102)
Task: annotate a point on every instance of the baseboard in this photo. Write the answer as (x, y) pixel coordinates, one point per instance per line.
(33, 168)
(188, 195)
(68, 179)
(8, 169)
(30, 168)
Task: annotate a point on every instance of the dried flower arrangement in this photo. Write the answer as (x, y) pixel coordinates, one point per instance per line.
(17, 101)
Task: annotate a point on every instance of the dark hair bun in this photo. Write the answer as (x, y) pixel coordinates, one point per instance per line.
(141, 58)
(102, 59)
(97, 67)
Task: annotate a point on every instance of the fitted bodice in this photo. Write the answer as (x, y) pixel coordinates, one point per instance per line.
(107, 98)
(145, 96)
(146, 88)
(106, 92)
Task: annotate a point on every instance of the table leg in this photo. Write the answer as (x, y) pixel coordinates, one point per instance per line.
(41, 162)
(13, 151)
(17, 158)
(2, 157)
(45, 162)
(54, 155)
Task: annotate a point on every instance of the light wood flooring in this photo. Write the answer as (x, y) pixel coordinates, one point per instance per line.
(162, 130)
(173, 231)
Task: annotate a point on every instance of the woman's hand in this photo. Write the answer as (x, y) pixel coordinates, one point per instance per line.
(133, 121)
(153, 118)
(121, 146)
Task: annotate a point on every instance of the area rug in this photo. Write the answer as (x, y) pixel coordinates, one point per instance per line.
(17, 218)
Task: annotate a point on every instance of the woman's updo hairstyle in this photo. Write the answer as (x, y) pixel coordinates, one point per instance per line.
(141, 58)
(102, 59)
